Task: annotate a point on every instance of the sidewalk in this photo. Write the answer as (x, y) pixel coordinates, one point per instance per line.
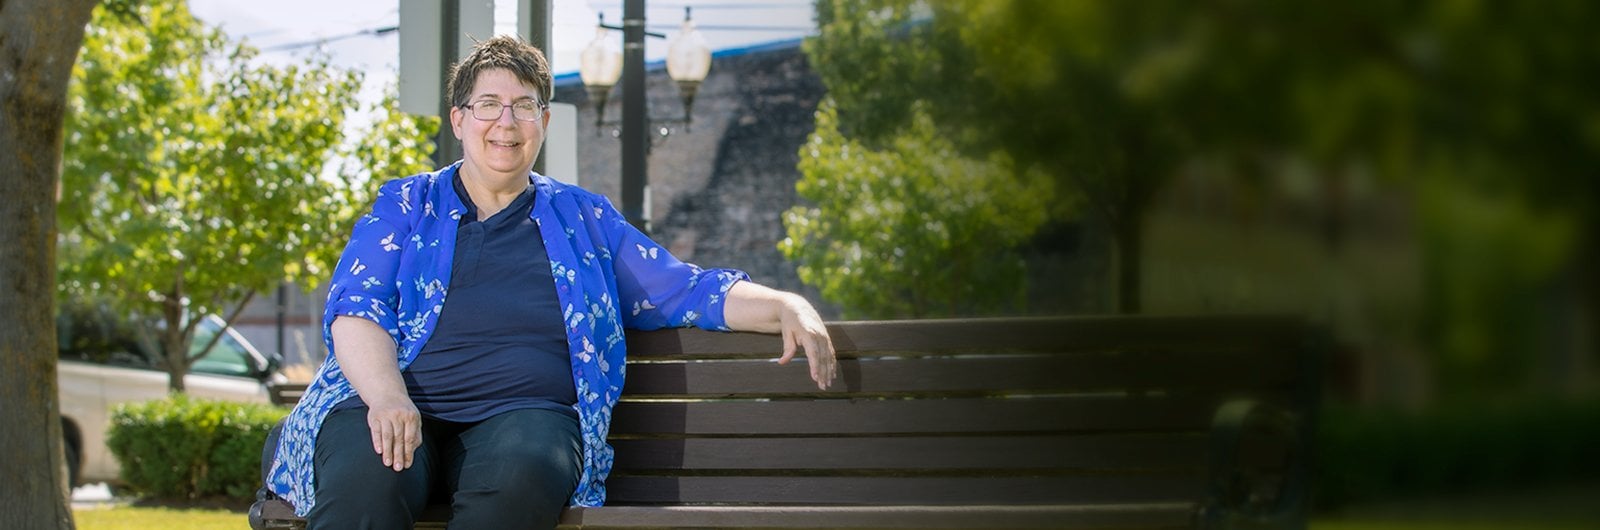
(91, 496)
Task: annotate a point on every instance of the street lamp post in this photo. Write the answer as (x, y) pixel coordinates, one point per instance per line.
(688, 62)
(635, 177)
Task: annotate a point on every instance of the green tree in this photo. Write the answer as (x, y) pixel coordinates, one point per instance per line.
(396, 144)
(1507, 116)
(914, 229)
(1046, 83)
(196, 176)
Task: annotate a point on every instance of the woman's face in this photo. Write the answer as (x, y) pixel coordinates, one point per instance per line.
(505, 146)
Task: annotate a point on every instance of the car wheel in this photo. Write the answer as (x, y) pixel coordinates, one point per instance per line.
(72, 462)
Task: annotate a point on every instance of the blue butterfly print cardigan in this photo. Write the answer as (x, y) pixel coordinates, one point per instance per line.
(609, 276)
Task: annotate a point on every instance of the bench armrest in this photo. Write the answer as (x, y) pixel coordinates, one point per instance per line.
(1236, 497)
(269, 449)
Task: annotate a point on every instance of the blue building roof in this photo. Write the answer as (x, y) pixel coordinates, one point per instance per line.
(572, 78)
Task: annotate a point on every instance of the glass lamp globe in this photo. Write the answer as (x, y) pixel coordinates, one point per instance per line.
(688, 60)
(600, 65)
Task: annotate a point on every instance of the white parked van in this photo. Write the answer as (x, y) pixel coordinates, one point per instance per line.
(101, 366)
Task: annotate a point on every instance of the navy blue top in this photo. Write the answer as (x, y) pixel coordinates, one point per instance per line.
(500, 343)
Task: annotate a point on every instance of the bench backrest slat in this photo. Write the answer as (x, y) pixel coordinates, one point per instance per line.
(934, 490)
(986, 372)
(912, 416)
(1108, 333)
(999, 454)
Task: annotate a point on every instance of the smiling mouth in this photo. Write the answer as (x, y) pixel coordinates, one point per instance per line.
(505, 144)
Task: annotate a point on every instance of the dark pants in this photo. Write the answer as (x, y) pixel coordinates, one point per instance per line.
(513, 470)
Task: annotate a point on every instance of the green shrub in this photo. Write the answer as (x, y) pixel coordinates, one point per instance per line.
(186, 448)
(1370, 454)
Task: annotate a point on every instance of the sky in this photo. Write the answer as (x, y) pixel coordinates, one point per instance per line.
(289, 30)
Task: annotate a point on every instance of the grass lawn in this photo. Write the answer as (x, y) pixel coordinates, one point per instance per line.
(1521, 507)
(157, 518)
(1457, 525)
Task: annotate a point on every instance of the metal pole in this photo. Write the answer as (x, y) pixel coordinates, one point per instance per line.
(446, 149)
(635, 175)
(533, 17)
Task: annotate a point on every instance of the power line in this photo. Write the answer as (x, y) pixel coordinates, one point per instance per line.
(655, 5)
(727, 27)
(370, 32)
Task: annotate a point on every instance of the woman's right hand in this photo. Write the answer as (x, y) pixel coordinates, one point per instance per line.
(396, 431)
(367, 355)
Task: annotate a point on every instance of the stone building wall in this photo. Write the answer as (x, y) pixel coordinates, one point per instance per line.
(718, 187)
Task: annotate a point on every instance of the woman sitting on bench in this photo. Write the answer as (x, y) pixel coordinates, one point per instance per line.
(498, 402)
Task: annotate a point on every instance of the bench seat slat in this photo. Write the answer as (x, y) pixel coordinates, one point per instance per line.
(1085, 452)
(779, 490)
(1172, 515)
(1154, 516)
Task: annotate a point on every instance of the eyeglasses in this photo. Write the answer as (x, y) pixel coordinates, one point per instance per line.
(491, 110)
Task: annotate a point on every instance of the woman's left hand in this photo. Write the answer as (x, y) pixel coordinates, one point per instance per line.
(802, 327)
(754, 307)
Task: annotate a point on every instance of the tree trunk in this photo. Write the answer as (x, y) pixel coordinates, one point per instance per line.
(39, 41)
(1335, 197)
(1129, 230)
(1589, 307)
(1130, 255)
(174, 353)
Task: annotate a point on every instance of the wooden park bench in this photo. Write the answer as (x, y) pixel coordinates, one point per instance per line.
(1105, 422)
(286, 395)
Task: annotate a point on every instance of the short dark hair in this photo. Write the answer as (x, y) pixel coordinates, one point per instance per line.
(503, 51)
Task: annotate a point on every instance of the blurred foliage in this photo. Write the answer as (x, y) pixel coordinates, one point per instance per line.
(1485, 115)
(1084, 86)
(196, 174)
(395, 145)
(913, 230)
(1494, 290)
(183, 448)
(1063, 88)
(1384, 454)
